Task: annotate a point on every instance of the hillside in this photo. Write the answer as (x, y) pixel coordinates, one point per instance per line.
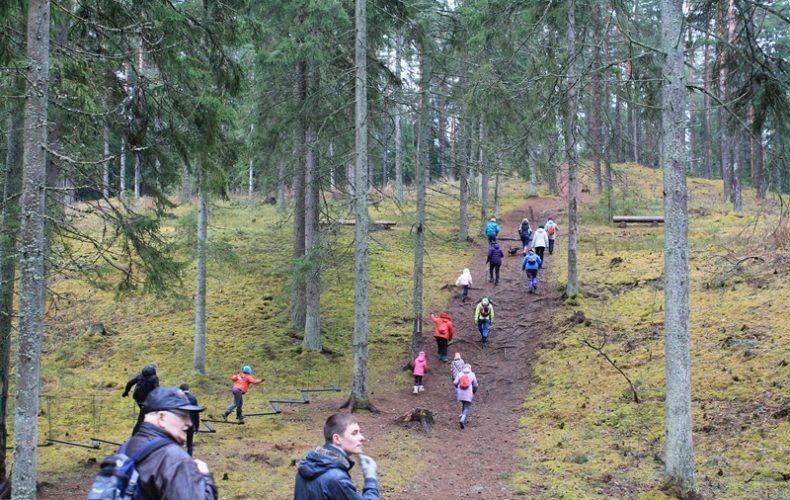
(567, 416)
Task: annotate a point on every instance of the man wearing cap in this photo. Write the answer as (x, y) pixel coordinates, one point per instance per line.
(241, 382)
(168, 471)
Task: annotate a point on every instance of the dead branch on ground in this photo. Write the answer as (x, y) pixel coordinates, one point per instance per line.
(599, 350)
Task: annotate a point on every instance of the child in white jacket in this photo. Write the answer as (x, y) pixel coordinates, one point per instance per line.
(465, 280)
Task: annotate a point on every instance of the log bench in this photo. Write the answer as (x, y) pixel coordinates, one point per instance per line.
(623, 220)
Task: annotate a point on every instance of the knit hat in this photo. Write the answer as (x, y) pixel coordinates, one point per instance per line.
(493, 219)
(484, 301)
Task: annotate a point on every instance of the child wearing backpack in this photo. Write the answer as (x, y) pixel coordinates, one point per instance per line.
(455, 369)
(484, 316)
(551, 230)
(467, 385)
(540, 240)
(420, 367)
(530, 265)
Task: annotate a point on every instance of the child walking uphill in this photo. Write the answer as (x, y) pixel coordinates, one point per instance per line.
(455, 369)
(484, 316)
(241, 382)
(465, 280)
(467, 385)
(443, 334)
(530, 265)
(420, 366)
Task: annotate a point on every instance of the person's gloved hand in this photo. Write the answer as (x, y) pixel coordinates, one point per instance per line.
(368, 466)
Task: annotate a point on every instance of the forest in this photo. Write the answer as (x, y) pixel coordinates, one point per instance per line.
(118, 114)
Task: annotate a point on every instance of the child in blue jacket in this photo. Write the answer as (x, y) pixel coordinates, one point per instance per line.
(530, 265)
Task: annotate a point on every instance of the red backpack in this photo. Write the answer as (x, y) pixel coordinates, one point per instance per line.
(551, 230)
(465, 381)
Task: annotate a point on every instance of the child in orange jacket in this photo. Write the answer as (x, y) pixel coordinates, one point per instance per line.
(443, 334)
(241, 382)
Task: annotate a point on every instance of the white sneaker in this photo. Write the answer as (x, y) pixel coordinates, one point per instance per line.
(416, 390)
(422, 388)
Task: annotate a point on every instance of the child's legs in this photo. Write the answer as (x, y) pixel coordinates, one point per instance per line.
(465, 294)
(466, 407)
(490, 271)
(532, 277)
(418, 380)
(496, 272)
(484, 331)
(551, 246)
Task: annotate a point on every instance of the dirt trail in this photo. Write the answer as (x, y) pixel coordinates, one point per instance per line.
(503, 368)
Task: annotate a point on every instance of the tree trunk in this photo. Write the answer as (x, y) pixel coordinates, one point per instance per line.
(312, 328)
(707, 171)
(33, 280)
(398, 132)
(679, 454)
(359, 398)
(199, 357)
(10, 218)
(463, 182)
(572, 289)
(692, 98)
(595, 96)
(725, 165)
(298, 280)
(483, 177)
(105, 184)
(421, 174)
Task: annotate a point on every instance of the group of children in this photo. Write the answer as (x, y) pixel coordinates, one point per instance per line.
(464, 382)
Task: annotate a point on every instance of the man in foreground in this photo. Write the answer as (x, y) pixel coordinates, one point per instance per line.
(168, 471)
(324, 472)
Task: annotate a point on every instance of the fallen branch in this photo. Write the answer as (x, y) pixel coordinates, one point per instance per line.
(599, 350)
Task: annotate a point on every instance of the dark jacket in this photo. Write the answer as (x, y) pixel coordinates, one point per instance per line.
(495, 254)
(146, 381)
(323, 475)
(169, 472)
(195, 416)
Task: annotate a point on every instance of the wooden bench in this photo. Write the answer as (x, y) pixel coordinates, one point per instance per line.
(623, 220)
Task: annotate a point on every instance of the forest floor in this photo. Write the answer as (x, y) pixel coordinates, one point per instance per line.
(479, 460)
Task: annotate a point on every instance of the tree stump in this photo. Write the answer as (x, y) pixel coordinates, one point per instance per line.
(422, 415)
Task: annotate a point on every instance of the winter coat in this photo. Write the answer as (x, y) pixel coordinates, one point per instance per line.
(535, 264)
(169, 472)
(495, 254)
(468, 393)
(420, 365)
(143, 383)
(323, 474)
(242, 381)
(524, 229)
(444, 326)
(540, 238)
(492, 229)
(480, 313)
(465, 279)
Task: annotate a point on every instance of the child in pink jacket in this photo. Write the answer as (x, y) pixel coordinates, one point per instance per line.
(420, 366)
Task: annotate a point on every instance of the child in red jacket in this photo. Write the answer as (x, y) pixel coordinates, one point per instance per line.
(241, 382)
(443, 334)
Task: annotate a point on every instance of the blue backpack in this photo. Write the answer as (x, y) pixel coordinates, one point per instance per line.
(117, 479)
